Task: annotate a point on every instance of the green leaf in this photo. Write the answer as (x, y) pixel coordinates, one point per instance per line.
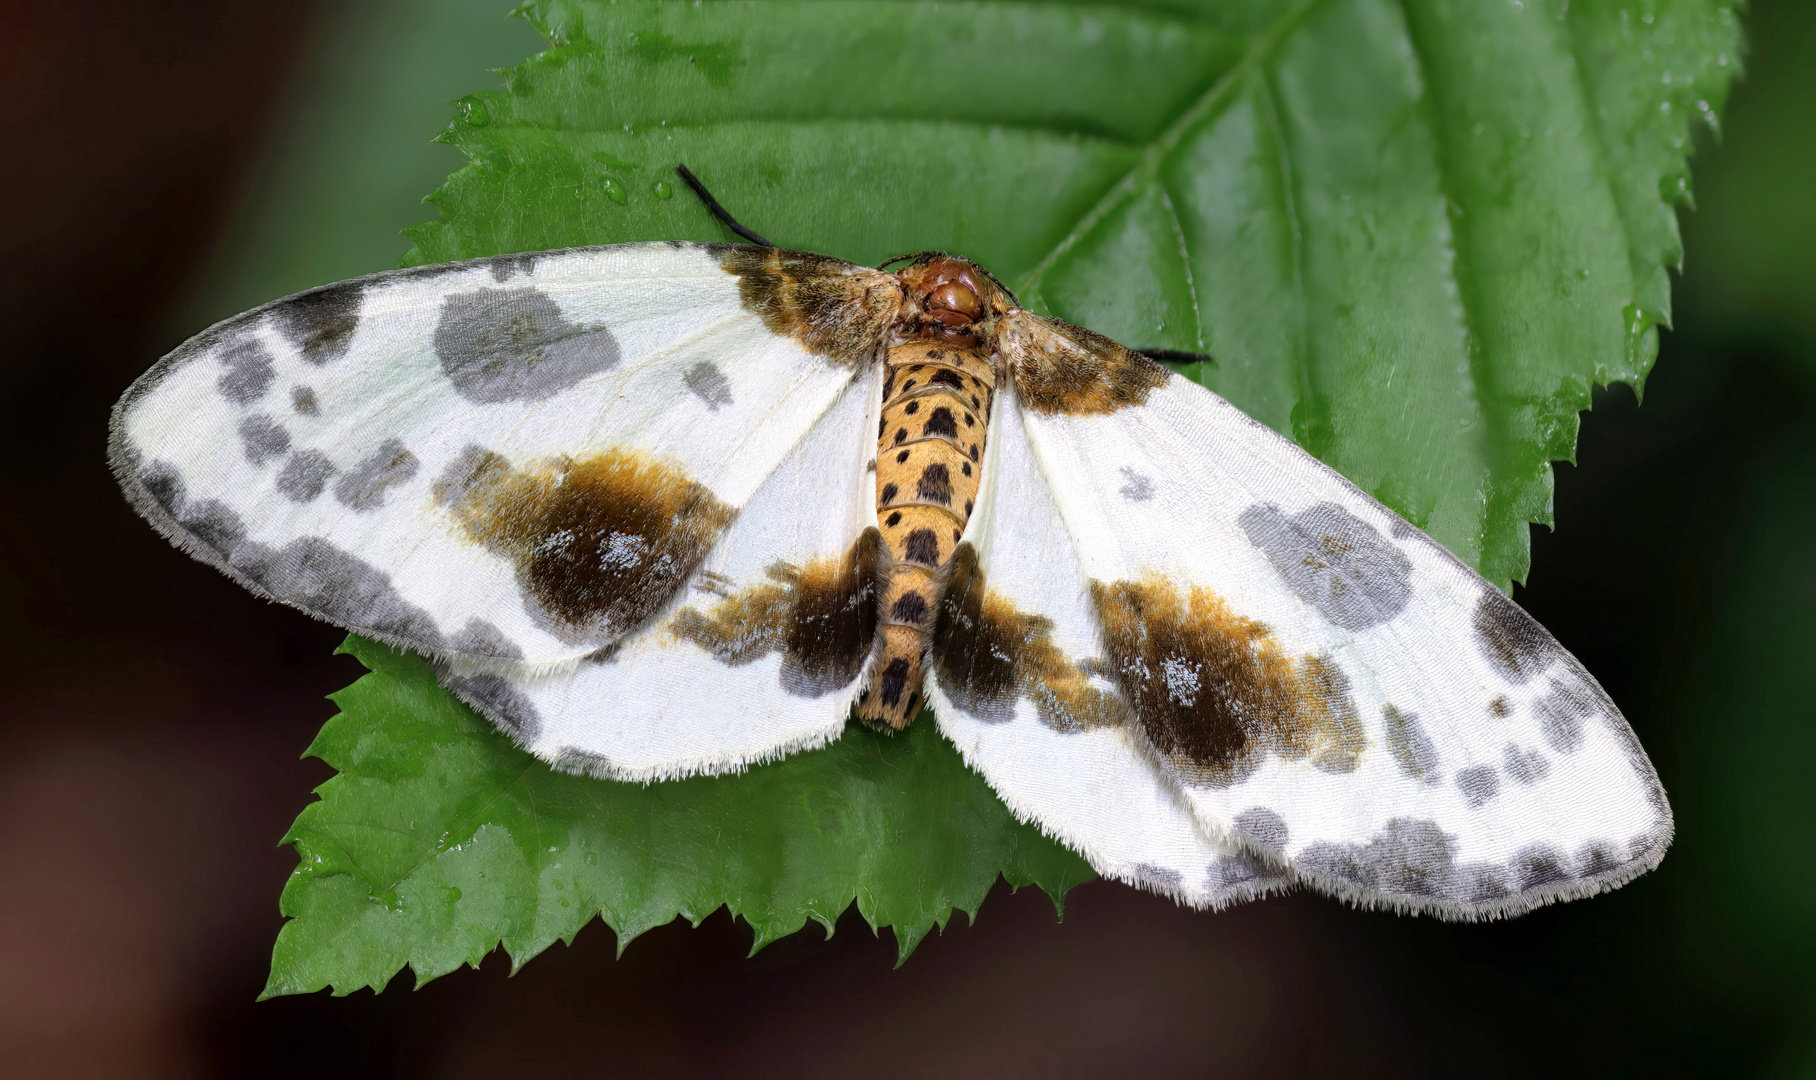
(438, 839)
(1411, 235)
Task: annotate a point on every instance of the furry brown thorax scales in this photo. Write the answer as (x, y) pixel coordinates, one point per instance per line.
(938, 382)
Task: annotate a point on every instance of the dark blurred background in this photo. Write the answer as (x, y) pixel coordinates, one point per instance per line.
(172, 167)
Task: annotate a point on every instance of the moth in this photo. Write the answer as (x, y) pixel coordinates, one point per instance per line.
(662, 509)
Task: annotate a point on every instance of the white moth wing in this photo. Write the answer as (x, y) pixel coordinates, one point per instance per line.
(757, 656)
(422, 455)
(1324, 680)
(1016, 682)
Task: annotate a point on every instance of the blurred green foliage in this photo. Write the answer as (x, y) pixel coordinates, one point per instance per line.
(1743, 709)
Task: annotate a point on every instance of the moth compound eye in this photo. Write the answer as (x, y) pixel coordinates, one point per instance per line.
(954, 303)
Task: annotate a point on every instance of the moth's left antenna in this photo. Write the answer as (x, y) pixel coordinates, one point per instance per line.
(717, 210)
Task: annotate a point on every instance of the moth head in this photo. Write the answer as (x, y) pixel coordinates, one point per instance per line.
(953, 292)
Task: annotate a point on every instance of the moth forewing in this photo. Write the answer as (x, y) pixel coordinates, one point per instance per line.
(409, 454)
(1313, 673)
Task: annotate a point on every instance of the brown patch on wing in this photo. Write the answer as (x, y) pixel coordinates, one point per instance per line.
(1067, 370)
(1213, 691)
(833, 308)
(988, 653)
(600, 543)
(821, 616)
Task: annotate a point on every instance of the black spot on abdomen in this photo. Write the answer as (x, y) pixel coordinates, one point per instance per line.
(910, 608)
(935, 484)
(922, 547)
(940, 423)
(895, 680)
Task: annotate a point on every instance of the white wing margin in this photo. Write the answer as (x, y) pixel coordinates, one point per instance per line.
(756, 657)
(514, 460)
(1328, 686)
(1017, 683)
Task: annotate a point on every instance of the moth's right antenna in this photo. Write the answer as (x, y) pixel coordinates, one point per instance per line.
(1177, 356)
(718, 211)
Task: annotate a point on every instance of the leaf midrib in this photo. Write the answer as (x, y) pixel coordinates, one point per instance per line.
(1155, 152)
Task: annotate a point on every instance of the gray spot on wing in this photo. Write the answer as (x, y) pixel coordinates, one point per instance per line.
(1479, 883)
(1334, 561)
(1561, 713)
(1596, 858)
(263, 439)
(572, 759)
(302, 399)
(1411, 859)
(249, 370)
(1138, 489)
(499, 702)
(1243, 874)
(1263, 827)
(505, 267)
(362, 488)
(474, 464)
(310, 572)
(304, 476)
(339, 586)
(1156, 878)
(209, 523)
(1408, 857)
(480, 638)
(164, 485)
(709, 384)
(1524, 766)
(321, 323)
(1479, 784)
(1343, 753)
(1411, 747)
(515, 345)
(1540, 864)
(1512, 641)
(214, 525)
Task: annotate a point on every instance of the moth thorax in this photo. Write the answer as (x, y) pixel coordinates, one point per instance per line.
(930, 452)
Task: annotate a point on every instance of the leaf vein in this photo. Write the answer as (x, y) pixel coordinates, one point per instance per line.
(1155, 152)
